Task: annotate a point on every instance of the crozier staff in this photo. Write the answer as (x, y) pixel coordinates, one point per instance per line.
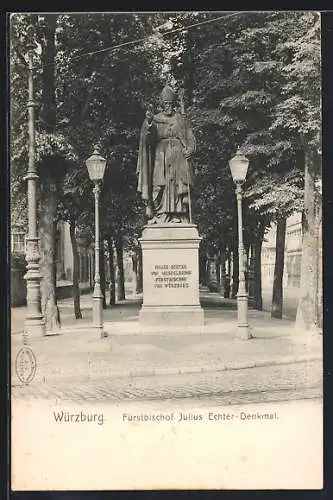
(164, 169)
(182, 108)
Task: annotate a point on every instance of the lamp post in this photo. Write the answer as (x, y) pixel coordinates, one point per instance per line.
(238, 166)
(34, 320)
(96, 167)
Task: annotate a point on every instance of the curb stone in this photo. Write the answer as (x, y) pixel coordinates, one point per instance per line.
(218, 368)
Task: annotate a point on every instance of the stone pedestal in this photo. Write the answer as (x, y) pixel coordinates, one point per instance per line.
(170, 275)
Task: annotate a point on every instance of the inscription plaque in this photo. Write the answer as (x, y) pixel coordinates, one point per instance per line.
(170, 275)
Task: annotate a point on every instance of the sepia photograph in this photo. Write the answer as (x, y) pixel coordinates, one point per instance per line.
(166, 290)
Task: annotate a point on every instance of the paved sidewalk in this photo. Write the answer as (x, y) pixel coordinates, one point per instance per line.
(76, 353)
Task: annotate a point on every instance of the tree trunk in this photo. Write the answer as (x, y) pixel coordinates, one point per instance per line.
(277, 298)
(257, 284)
(49, 171)
(203, 269)
(120, 267)
(235, 273)
(222, 270)
(47, 233)
(228, 275)
(47, 112)
(134, 272)
(112, 301)
(306, 313)
(229, 263)
(218, 269)
(102, 272)
(139, 283)
(76, 263)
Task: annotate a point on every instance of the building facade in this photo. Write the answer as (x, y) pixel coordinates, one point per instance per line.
(64, 264)
(293, 253)
(64, 257)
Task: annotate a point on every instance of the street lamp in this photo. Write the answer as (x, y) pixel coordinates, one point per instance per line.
(96, 167)
(238, 166)
(34, 320)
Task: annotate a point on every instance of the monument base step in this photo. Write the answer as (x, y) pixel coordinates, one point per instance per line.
(172, 315)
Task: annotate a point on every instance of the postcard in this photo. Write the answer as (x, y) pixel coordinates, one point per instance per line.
(166, 247)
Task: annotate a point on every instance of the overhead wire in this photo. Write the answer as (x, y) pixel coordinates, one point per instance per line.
(139, 40)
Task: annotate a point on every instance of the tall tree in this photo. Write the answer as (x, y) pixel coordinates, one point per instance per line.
(76, 270)
(277, 299)
(299, 114)
(52, 150)
(120, 267)
(112, 300)
(75, 208)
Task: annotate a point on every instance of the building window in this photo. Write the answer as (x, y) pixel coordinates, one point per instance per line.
(18, 242)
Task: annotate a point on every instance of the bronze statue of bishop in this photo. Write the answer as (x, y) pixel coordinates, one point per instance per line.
(164, 170)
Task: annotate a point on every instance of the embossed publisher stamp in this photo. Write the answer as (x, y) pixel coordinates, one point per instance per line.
(25, 365)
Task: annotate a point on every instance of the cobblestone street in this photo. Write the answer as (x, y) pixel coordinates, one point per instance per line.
(279, 363)
(271, 383)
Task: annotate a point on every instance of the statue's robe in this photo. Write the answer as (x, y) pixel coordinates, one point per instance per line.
(164, 174)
